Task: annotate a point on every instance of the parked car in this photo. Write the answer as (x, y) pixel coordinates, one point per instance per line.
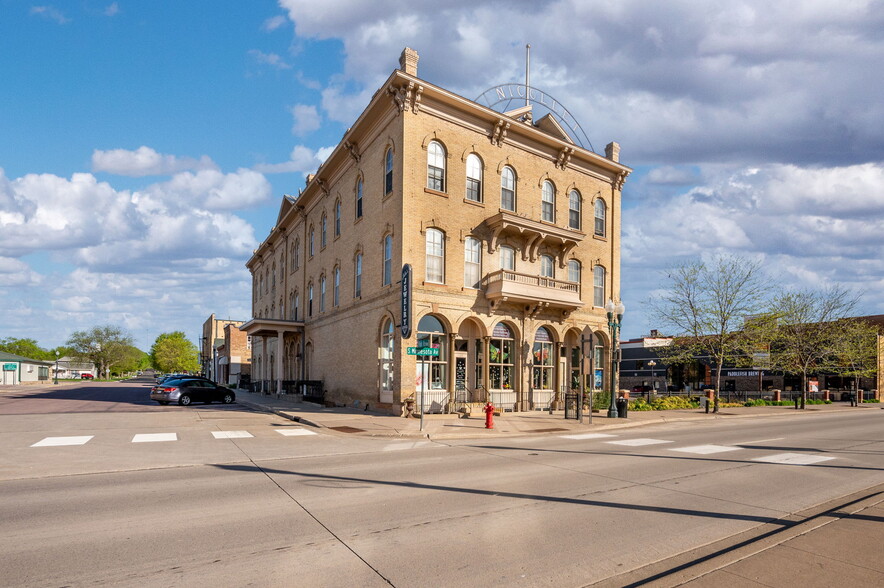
(184, 391)
(86, 377)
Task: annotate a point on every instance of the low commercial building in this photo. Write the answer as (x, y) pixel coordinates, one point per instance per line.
(15, 369)
(211, 339)
(234, 357)
(484, 237)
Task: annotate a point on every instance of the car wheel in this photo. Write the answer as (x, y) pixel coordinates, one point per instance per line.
(184, 400)
(228, 398)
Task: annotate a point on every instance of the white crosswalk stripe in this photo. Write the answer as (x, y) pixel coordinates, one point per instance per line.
(705, 449)
(638, 442)
(63, 441)
(154, 437)
(588, 436)
(231, 434)
(793, 459)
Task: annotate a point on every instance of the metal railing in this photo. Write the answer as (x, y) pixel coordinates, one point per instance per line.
(531, 280)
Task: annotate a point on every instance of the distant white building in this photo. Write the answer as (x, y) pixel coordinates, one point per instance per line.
(71, 367)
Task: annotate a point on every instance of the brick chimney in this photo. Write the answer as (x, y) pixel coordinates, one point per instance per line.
(612, 151)
(408, 61)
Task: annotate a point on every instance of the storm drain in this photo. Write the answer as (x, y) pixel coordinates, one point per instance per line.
(346, 429)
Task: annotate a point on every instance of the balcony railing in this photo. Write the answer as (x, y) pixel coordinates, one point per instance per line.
(506, 285)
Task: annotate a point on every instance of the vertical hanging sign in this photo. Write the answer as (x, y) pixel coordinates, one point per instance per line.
(406, 301)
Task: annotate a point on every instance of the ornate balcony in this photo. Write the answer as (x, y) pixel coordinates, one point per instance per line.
(534, 233)
(535, 291)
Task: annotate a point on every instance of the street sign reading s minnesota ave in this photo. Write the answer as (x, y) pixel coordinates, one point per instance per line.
(406, 301)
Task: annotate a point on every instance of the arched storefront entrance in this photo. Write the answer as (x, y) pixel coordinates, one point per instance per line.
(431, 381)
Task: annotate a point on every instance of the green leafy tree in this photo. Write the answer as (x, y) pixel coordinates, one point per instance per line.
(106, 346)
(25, 348)
(173, 352)
(133, 360)
(857, 353)
(705, 306)
(808, 331)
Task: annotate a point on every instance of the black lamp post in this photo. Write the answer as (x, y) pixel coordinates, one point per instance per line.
(56, 367)
(615, 319)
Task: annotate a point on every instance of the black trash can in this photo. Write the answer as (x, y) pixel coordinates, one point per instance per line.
(622, 407)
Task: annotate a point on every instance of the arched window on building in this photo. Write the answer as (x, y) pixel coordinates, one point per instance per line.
(359, 198)
(501, 358)
(323, 234)
(337, 218)
(310, 299)
(436, 166)
(431, 333)
(337, 293)
(574, 220)
(574, 271)
(435, 256)
(386, 354)
(548, 202)
(600, 214)
(388, 260)
(598, 286)
(508, 189)
(543, 360)
(547, 266)
(388, 171)
(357, 276)
(474, 178)
(472, 263)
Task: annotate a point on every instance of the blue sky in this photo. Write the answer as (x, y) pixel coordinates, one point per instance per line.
(144, 146)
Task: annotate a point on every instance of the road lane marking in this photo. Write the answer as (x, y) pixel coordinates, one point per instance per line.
(793, 459)
(638, 442)
(705, 449)
(403, 444)
(231, 434)
(760, 441)
(587, 436)
(154, 437)
(294, 432)
(62, 441)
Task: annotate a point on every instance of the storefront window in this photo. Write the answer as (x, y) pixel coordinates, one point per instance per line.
(432, 370)
(501, 358)
(543, 360)
(386, 355)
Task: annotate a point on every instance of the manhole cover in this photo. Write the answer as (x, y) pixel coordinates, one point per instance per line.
(554, 429)
(347, 429)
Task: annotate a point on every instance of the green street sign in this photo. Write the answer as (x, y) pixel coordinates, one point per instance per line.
(9, 367)
(426, 351)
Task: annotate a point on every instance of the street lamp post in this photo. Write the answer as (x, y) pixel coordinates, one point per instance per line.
(615, 319)
(652, 363)
(56, 367)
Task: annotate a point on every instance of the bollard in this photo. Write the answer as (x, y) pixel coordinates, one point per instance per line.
(796, 402)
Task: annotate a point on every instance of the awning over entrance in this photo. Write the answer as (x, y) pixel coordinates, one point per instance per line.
(264, 327)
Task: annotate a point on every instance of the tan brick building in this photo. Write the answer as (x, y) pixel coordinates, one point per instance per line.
(512, 231)
(211, 339)
(234, 356)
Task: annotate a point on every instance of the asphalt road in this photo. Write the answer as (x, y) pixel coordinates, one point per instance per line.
(219, 495)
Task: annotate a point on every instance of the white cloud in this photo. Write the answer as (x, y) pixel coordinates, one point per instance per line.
(112, 9)
(306, 119)
(210, 189)
(302, 159)
(50, 12)
(145, 161)
(271, 59)
(16, 273)
(273, 23)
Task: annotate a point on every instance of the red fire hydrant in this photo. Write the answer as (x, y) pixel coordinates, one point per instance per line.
(489, 416)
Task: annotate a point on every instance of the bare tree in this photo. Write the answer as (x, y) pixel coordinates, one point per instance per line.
(706, 305)
(808, 333)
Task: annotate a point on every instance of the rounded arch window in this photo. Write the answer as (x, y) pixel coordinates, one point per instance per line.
(432, 371)
(386, 352)
(474, 178)
(600, 212)
(548, 204)
(501, 358)
(574, 210)
(544, 356)
(436, 166)
(508, 189)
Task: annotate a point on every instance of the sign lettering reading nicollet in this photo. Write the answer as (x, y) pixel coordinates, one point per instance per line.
(406, 301)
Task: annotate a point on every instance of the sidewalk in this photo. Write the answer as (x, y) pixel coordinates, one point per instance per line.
(353, 420)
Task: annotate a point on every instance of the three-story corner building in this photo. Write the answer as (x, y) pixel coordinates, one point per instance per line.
(512, 231)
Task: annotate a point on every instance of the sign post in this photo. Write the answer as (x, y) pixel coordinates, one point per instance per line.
(423, 352)
(587, 355)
